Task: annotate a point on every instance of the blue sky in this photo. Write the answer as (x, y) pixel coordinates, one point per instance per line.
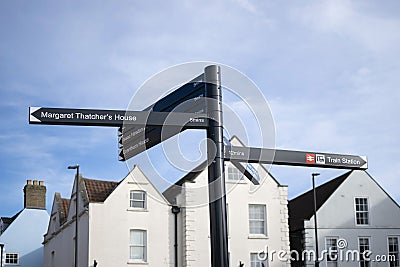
(329, 69)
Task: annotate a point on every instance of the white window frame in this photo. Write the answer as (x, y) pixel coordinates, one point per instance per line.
(265, 230)
(398, 251)
(258, 261)
(7, 259)
(133, 200)
(367, 263)
(232, 170)
(333, 262)
(144, 246)
(368, 212)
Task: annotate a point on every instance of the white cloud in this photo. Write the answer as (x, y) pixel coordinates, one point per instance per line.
(355, 21)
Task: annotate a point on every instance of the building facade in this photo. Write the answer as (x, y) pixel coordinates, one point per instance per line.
(354, 215)
(257, 217)
(131, 223)
(21, 235)
(119, 224)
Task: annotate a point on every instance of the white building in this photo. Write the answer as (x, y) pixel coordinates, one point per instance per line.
(120, 224)
(257, 217)
(354, 214)
(22, 234)
(131, 223)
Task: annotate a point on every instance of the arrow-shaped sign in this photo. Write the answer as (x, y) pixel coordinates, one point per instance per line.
(189, 98)
(295, 158)
(115, 118)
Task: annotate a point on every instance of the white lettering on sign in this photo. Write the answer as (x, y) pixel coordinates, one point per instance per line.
(126, 137)
(198, 97)
(351, 161)
(343, 160)
(196, 120)
(333, 160)
(56, 116)
(236, 153)
(141, 143)
(103, 117)
(125, 118)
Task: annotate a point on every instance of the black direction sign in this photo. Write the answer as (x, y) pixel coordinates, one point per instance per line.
(113, 118)
(189, 98)
(295, 158)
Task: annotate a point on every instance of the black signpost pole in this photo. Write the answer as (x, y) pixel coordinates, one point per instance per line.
(216, 176)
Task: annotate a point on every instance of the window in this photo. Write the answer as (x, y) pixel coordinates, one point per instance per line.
(362, 217)
(234, 174)
(11, 258)
(393, 243)
(138, 199)
(257, 219)
(363, 245)
(258, 260)
(332, 255)
(138, 246)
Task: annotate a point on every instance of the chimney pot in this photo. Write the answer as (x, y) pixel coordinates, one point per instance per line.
(35, 195)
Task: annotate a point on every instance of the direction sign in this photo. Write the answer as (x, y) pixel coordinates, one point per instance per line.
(112, 118)
(190, 97)
(295, 158)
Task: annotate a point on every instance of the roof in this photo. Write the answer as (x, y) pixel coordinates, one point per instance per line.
(98, 190)
(65, 205)
(171, 192)
(7, 221)
(64, 210)
(302, 207)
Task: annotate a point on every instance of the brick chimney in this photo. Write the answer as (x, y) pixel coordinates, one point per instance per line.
(34, 195)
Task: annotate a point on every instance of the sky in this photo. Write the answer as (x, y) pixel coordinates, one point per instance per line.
(330, 71)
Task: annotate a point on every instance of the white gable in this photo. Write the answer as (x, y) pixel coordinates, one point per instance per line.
(384, 212)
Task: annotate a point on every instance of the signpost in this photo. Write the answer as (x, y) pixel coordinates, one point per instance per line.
(295, 158)
(216, 172)
(195, 105)
(189, 98)
(113, 118)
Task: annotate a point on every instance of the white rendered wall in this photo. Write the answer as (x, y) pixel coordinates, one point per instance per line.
(336, 218)
(111, 221)
(195, 220)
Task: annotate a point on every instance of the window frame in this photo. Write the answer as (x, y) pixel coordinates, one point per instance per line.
(362, 212)
(133, 200)
(266, 264)
(265, 230)
(143, 246)
(398, 252)
(7, 258)
(362, 262)
(234, 171)
(328, 259)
